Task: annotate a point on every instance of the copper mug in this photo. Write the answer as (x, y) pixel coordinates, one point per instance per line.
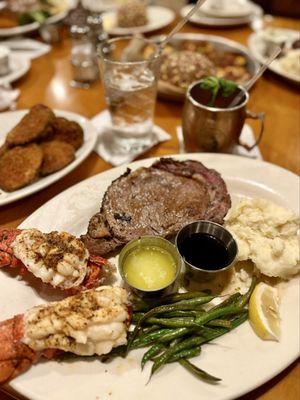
(212, 129)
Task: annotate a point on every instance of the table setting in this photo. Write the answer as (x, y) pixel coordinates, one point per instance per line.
(149, 200)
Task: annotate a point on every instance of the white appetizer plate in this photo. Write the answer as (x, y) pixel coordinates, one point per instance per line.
(256, 44)
(19, 66)
(158, 17)
(9, 119)
(23, 29)
(240, 358)
(201, 18)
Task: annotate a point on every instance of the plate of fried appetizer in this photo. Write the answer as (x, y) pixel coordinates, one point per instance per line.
(84, 307)
(38, 147)
(20, 17)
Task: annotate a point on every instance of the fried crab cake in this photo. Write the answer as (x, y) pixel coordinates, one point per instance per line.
(56, 155)
(35, 125)
(20, 166)
(68, 131)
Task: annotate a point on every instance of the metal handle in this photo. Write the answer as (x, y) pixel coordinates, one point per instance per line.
(260, 116)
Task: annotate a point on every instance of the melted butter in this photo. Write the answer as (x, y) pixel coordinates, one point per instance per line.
(149, 268)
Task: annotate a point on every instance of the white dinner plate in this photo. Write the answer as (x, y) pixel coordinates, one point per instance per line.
(240, 358)
(19, 66)
(158, 17)
(9, 119)
(256, 46)
(200, 18)
(23, 29)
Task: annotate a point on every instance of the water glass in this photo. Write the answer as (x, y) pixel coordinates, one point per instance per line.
(129, 68)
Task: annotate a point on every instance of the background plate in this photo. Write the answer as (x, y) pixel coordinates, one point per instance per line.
(200, 18)
(171, 92)
(22, 29)
(240, 358)
(19, 66)
(158, 17)
(257, 46)
(9, 119)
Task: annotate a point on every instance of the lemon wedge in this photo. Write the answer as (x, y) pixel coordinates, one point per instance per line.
(264, 312)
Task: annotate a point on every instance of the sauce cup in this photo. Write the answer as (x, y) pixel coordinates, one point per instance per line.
(153, 245)
(201, 272)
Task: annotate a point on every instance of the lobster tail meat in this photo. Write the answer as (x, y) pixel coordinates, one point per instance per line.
(57, 258)
(89, 323)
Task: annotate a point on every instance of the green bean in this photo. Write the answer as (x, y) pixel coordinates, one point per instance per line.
(181, 305)
(179, 313)
(228, 302)
(245, 298)
(214, 314)
(185, 344)
(152, 352)
(151, 328)
(136, 317)
(187, 353)
(174, 297)
(174, 334)
(220, 322)
(175, 341)
(199, 373)
(173, 322)
(145, 339)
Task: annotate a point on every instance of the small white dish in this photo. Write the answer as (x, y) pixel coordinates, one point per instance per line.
(227, 8)
(200, 18)
(19, 66)
(257, 46)
(26, 47)
(158, 17)
(9, 119)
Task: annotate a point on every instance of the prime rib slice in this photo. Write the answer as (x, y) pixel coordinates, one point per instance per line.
(158, 200)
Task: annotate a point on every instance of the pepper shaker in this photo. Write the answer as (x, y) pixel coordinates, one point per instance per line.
(83, 57)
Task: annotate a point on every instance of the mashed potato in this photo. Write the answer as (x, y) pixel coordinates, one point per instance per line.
(266, 234)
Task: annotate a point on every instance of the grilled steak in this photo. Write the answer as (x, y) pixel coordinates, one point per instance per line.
(158, 200)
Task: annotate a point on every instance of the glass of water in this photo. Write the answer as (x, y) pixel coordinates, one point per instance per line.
(129, 68)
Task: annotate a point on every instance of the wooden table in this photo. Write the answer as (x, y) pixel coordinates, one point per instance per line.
(48, 83)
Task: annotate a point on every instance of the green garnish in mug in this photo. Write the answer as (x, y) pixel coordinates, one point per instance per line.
(221, 86)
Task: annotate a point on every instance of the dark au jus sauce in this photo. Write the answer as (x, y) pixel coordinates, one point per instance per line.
(205, 251)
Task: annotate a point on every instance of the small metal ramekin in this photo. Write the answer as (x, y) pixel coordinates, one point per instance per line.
(147, 241)
(213, 229)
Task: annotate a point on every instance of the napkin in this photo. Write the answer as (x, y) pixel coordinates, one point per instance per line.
(8, 97)
(246, 137)
(26, 47)
(102, 123)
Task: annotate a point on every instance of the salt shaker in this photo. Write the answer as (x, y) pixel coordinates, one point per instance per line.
(97, 34)
(83, 57)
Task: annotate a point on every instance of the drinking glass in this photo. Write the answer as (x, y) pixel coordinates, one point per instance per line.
(129, 68)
